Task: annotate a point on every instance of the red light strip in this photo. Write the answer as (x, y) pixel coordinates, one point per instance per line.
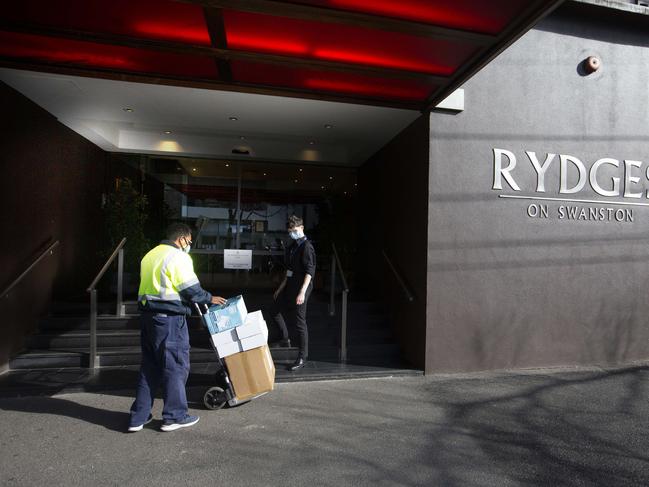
(363, 89)
(171, 32)
(384, 61)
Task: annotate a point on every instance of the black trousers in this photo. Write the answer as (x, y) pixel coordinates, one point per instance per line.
(285, 309)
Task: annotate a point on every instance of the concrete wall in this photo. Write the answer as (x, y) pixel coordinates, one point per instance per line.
(509, 290)
(393, 190)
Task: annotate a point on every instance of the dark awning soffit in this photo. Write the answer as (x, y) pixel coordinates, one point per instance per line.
(406, 53)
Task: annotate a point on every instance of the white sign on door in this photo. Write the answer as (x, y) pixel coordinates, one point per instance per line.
(237, 259)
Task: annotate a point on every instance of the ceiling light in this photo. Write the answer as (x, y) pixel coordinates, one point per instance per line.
(227, 164)
(328, 126)
(233, 119)
(330, 178)
(312, 142)
(127, 109)
(193, 169)
(295, 181)
(322, 187)
(301, 169)
(242, 138)
(265, 174)
(167, 132)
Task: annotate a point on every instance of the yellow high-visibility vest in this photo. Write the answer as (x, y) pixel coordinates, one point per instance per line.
(164, 272)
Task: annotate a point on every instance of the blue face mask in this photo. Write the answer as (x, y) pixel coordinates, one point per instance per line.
(296, 234)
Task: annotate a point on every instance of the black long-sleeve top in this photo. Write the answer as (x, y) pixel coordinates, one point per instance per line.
(300, 259)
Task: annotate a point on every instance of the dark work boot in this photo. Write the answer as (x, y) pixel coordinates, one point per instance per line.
(297, 365)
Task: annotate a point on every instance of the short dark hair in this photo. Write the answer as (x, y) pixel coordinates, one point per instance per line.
(177, 230)
(294, 221)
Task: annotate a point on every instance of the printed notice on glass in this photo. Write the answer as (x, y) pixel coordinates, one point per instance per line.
(237, 259)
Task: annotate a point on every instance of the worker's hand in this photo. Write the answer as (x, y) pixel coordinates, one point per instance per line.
(300, 299)
(218, 300)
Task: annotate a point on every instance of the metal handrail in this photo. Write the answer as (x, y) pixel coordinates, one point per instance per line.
(406, 291)
(49, 250)
(106, 265)
(93, 359)
(342, 273)
(335, 262)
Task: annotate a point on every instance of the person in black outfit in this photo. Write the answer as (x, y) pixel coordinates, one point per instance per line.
(292, 295)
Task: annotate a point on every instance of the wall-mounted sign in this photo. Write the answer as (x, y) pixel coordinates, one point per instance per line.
(237, 259)
(606, 177)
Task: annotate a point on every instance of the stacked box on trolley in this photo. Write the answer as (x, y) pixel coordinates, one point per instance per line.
(240, 338)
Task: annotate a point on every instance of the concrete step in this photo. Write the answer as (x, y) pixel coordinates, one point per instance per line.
(116, 356)
(61, 308)
(130, 355)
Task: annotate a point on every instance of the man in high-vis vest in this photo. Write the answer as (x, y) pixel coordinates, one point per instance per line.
(169, 288)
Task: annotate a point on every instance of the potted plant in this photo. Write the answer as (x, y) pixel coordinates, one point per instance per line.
(126, 215)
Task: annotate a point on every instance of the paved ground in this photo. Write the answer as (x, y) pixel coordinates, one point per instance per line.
(537, 428)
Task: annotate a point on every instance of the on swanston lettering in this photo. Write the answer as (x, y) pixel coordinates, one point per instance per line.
(625, 183)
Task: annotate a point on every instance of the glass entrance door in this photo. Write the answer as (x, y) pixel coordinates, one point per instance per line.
(244, 206)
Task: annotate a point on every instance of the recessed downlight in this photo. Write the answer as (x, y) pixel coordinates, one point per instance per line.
(194, 169)
(328, 126)
(312, 142)
(128, 109)
(242, 137)
(233, 119)
(167, 132)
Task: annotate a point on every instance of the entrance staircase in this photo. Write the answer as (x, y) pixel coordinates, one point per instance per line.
(63, 337)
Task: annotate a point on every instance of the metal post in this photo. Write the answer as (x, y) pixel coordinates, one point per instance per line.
(238, 239)
(332, 309)
(343, 331)
(93, 363)
(120, 283)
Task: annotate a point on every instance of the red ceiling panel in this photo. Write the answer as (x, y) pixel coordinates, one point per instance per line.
(151, 19)
(488, 17)
(332, 82)
(88, 54)
(335, 42)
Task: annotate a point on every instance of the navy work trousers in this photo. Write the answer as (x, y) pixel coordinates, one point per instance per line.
(165, 362)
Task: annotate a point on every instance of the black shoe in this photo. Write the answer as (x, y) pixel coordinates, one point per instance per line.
(297, 365)
(281, 344)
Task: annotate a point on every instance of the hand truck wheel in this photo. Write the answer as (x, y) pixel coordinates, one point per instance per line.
(213, 398)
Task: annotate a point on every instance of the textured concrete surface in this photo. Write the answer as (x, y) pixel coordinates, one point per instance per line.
(539, 428)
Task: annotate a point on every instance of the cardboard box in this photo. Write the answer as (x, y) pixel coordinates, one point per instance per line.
(226, 316)
(254, 325)
(252, 334)
(225, 337)
(226, 349)
(252, 372)
(254, 341)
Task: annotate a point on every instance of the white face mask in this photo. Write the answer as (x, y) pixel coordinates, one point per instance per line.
(187, 248)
